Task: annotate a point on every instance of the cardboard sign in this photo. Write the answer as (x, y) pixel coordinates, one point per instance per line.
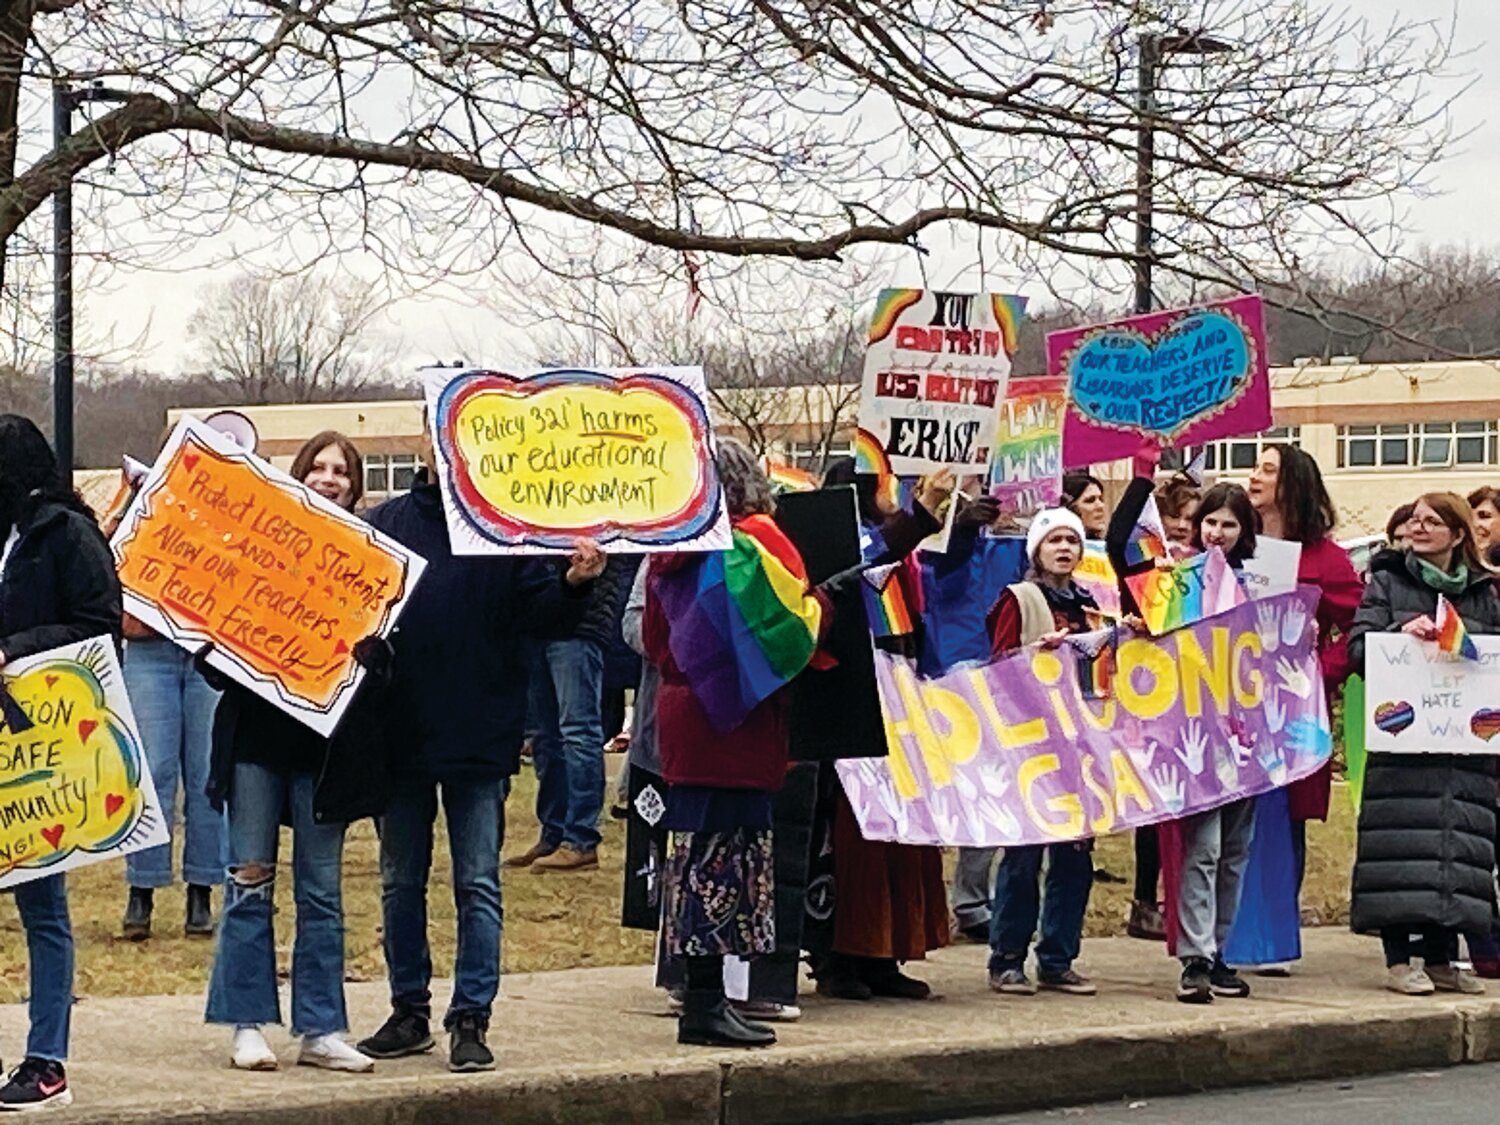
(1180, 377)
(1188, 591)
(74, 787)
(220, 548)
(528, 465)
(935, 372)
(1419, 700)
(1014, 752)
(1273, 569)
(1026, 464)
(1096, 574)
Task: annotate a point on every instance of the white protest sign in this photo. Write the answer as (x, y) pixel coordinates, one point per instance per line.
(1273, 570)
(936, 367)
(1419, 700)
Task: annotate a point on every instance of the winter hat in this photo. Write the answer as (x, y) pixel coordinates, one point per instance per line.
(1044, 523)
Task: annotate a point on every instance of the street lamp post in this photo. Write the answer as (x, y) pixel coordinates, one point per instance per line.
(64, 101)
(1153, 50)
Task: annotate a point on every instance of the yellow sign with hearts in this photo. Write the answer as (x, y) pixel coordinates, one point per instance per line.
(74, 785)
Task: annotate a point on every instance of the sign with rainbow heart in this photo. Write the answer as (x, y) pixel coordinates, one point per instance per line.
(528, 464)
(1419, 700)
(936, 367)
(1021, 752)
(74, 786)
(1178, 377)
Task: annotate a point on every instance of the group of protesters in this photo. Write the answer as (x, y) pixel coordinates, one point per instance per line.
(754, 852)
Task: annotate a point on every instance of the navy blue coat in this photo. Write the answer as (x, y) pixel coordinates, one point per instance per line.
(457, 700)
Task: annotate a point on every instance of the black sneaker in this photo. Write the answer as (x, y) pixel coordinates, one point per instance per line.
(405, 1033)
(36, 1084)
(1226, 982)
(466, 1047)
(1196, 987)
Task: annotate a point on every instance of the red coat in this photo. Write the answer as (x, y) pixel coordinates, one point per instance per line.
(753, 755)
(1326, 565)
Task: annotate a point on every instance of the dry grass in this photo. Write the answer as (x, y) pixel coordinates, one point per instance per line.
(551, 921)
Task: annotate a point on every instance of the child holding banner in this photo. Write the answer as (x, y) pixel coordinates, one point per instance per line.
(57, 587)
(1423, 868)
(268, 765)
(1042, 610)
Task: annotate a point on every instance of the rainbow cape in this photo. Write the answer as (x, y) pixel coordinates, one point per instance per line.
(1452, 638)
(743, 623)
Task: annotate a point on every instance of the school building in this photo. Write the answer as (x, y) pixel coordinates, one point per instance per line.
(1383, 433)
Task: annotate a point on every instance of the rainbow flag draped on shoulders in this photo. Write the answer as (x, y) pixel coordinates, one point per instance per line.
(743, 622)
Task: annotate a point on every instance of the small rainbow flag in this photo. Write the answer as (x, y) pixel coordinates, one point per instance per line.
(789, 478)
(885, 602)
(870, 459)
(743, 622)
(1148, 538)
(1452, 638)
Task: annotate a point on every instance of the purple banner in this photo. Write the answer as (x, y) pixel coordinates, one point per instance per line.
(1013, 753)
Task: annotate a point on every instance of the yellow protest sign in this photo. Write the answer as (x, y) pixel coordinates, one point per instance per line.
(74, 787)
(220, 548)
(531, 464)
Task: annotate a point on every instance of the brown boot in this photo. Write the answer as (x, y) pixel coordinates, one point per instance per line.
(567, 858)
(537, 851)
(1146, 922)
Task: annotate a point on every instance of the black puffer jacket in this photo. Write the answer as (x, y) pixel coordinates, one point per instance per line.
(1427, 821)
(59, 585)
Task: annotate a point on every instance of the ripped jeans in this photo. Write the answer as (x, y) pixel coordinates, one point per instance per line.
(242, 989)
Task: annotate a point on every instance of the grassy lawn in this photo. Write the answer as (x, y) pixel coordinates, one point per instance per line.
(551, 921)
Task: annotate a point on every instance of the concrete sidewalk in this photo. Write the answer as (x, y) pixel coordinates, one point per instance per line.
(595, 1045)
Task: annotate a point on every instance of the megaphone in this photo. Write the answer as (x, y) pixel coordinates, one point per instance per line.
(235, 426)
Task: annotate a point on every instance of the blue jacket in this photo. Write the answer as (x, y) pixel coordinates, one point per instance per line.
(457, 699)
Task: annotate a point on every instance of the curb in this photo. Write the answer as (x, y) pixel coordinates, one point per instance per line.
(909, 1081)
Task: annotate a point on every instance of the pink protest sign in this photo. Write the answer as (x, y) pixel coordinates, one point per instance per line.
(1180, 377)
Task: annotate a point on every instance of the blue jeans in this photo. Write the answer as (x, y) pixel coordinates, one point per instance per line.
(242, 989)
(567, 746)
(475, 811)
(1013, 922)
(43, 906)
(174, 707)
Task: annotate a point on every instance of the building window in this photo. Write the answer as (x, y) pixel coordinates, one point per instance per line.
(809, 455)
(1236, 455)
(1425, 445)
(390, 472)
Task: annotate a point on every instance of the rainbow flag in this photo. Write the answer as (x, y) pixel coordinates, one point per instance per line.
(743, 622)
(885, 602)
(1148, 538)
(789, 478)
(1452, 638)
(1171, 597)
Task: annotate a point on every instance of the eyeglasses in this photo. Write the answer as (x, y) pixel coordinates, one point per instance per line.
(1429, 523)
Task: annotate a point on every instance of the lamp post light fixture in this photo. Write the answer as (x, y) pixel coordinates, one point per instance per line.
(65, 100)
(1153, 50)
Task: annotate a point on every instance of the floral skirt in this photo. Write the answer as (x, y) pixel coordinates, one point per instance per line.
(720, 894)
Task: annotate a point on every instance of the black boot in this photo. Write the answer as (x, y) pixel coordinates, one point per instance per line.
(137, 925)
(883, 977)
(707, 1021)
(839, 979)
(200, 912)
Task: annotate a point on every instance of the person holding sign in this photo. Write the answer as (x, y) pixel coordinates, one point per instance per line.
(1042, 610)
(267, 765)
(57, 587)
(456, 712)
(1425, 851)
(1287, 491)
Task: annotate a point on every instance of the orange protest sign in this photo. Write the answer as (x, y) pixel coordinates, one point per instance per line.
(221, 548)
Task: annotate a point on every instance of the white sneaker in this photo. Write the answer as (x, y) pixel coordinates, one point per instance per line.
(1409, 980)
(1450, 978)
(251, 1051)
(332, 1053)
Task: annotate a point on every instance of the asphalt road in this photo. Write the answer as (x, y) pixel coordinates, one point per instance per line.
(1462, 1095)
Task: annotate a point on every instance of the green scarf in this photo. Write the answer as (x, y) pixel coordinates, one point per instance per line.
(1444, 582)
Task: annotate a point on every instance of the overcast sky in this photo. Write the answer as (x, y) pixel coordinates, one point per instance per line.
(1467, 209)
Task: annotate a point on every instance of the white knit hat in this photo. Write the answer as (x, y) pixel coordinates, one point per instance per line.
(1044, 523)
